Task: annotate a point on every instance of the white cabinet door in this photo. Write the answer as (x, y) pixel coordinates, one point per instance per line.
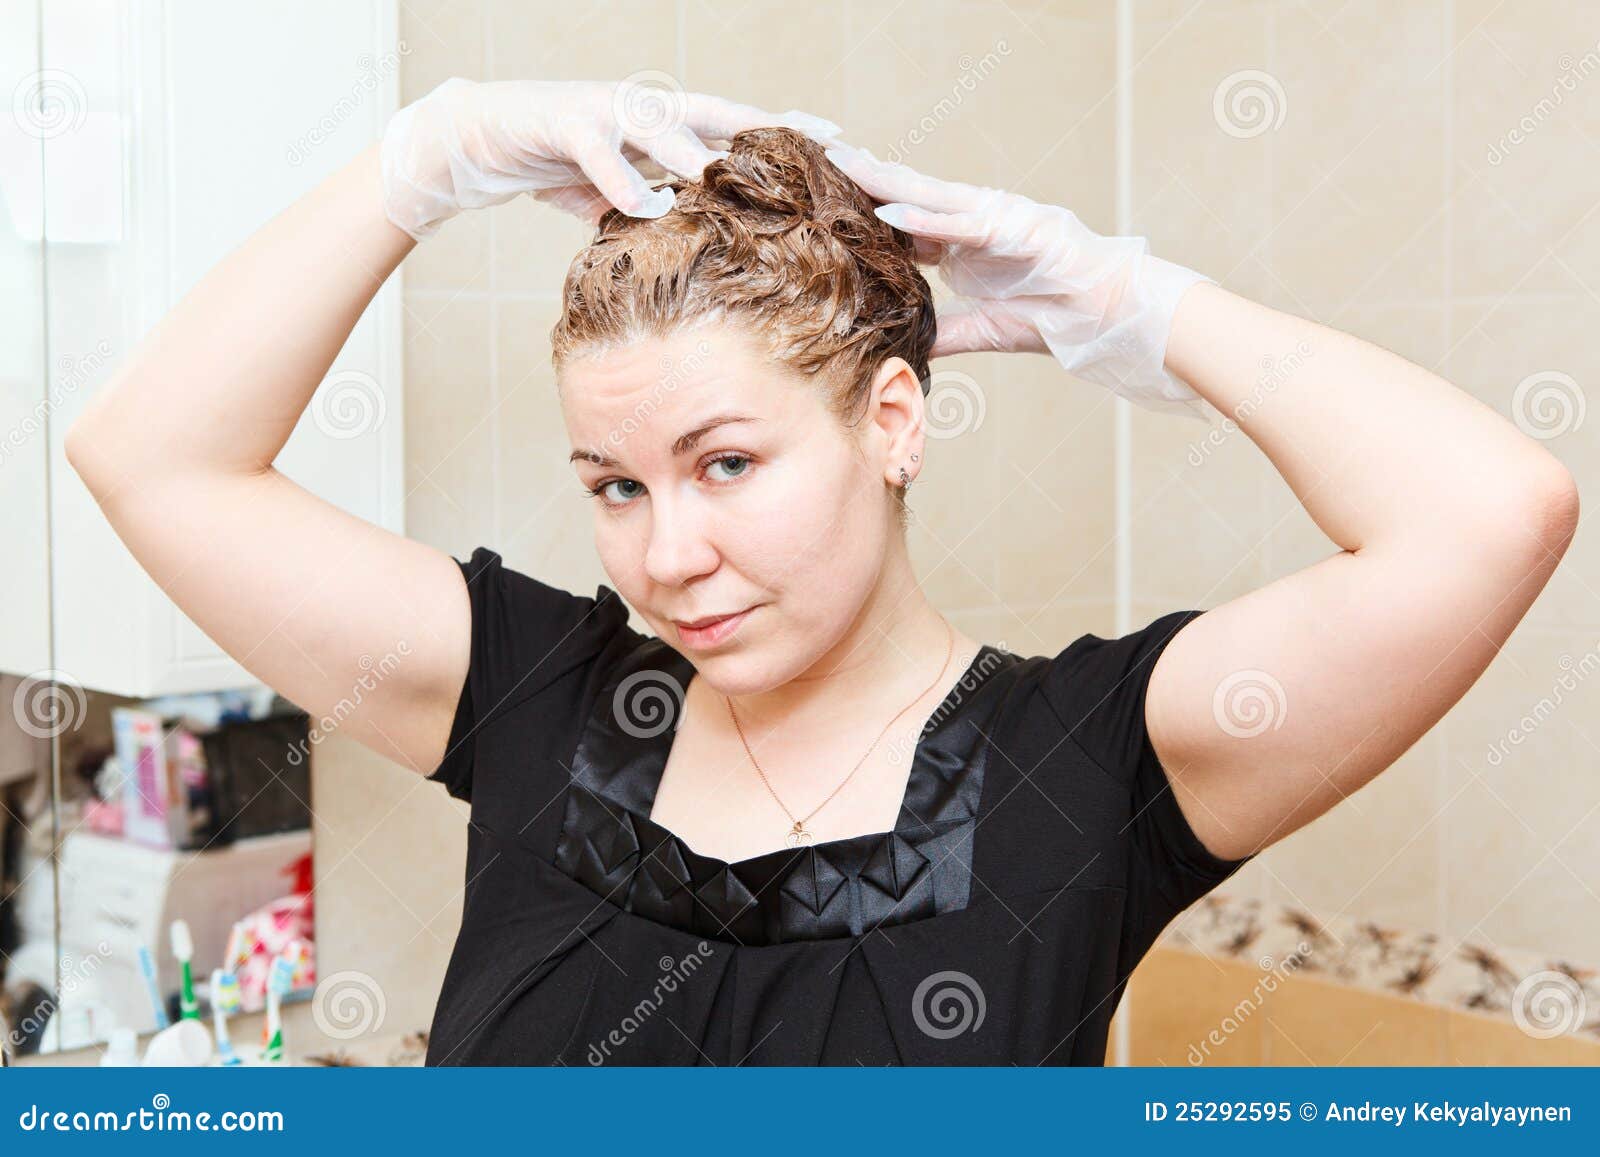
(197, 122)
(24, 415)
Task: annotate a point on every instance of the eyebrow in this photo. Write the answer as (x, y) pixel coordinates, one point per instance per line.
(683, 445)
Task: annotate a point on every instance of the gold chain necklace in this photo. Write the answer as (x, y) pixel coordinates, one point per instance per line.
(798, 834)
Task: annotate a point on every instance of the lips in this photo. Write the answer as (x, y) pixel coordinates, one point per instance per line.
(712, 630)
(699, 624)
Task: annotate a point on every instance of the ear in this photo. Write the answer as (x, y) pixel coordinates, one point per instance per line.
(898, 419)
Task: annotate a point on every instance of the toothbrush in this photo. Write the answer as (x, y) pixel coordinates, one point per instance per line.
(225, 999)
(147, 966)
(279, 981)
(183, 949)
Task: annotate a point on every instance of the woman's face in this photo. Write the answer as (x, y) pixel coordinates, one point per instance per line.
(726, 486)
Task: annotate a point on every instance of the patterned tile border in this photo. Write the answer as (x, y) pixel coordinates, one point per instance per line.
(1544, 997)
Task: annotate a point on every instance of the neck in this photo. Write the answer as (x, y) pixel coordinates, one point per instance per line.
(891, 652)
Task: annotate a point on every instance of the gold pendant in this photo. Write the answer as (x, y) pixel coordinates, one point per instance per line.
(798, 834)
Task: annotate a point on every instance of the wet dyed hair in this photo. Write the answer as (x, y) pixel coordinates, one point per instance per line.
(773, 236)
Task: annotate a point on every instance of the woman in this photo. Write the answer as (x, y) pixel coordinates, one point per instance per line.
(808, 821)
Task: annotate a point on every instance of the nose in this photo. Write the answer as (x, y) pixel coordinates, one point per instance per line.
(678, 549)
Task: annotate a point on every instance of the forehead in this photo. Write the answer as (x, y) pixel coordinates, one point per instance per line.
(653, 389)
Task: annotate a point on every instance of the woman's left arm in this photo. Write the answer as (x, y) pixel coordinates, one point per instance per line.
(1449, 519)
(1271, 708)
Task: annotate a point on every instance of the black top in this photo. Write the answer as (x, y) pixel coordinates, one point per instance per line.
(1038, 853)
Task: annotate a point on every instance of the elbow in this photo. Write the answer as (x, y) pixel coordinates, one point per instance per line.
(72, 445)
(76, 446)
(1555, 508)
(85, 451)
(1545, 515)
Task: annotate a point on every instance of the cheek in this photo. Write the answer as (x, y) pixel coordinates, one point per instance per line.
(831, 533)
(621, 555)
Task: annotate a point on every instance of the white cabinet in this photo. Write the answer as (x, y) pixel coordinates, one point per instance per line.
(117, 895)
(24, 501)
(189, 125)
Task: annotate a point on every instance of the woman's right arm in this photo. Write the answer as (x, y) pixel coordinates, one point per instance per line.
(178, 450)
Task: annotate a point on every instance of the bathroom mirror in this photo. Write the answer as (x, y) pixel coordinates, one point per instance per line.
(28, 958)
(155, 798)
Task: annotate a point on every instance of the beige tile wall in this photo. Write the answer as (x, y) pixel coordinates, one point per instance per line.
(1375, 207)
(1380, 205)
(1370, 207)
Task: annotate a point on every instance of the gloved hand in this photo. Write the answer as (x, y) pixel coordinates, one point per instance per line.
(1033, 278)
(467, 145)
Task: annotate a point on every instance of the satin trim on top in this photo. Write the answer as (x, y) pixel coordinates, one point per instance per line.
(835, 888)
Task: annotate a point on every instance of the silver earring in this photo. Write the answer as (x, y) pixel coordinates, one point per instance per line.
(916, 457)
(905, 479)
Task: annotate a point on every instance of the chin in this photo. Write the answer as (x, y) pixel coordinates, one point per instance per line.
(740, 670)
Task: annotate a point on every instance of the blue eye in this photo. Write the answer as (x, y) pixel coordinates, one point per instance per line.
(599, 491)
(740, 458)
(739, 469)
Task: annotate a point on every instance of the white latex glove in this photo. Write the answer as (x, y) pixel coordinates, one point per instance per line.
(1033, 278)
(467, 145)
